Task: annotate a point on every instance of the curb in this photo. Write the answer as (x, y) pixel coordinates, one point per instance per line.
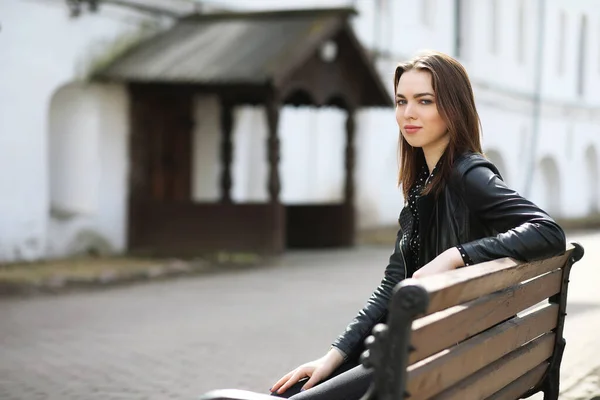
(113, 278)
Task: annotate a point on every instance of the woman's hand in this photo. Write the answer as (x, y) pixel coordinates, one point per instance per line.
(316, 370)
(448, 260)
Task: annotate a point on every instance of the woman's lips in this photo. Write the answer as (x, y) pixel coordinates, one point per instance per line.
(411, 128)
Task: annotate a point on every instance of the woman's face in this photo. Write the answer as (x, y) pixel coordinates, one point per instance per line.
(417, 115)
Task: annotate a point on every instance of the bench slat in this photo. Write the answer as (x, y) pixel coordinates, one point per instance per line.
(431, 376)
(461, 322)
(494, 377)
(457, 287)
(519, 387)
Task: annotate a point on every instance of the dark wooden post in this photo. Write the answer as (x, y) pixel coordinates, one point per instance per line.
(272, 106)
(349, 224)
(226, 150)
(350, 157)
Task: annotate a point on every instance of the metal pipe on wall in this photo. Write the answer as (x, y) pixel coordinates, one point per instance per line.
(537, 98)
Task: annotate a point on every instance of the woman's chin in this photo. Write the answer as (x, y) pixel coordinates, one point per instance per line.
(413, 142)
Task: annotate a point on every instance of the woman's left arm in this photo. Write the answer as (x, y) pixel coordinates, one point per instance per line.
(526, 232)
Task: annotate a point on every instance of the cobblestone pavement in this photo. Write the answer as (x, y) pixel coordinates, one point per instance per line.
(180, 338)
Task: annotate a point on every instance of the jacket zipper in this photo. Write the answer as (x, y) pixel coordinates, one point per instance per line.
(403, 260)
(437, 231)
(400, 247)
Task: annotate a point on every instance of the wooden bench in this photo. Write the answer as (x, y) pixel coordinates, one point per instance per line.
(469, 334)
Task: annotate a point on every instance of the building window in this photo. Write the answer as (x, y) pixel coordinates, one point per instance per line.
(562, 32)
(461, 27)
(494, 25)
(521, 38)
(581, 56)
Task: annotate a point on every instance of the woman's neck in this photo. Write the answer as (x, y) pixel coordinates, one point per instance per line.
(434, 152)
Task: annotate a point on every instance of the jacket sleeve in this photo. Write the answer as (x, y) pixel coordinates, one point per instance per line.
(351, 340)
(525, 232)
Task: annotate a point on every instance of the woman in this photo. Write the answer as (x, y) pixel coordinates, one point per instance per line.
(457, 212)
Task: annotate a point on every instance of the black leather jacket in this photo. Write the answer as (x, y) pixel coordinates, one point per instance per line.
(476, 210)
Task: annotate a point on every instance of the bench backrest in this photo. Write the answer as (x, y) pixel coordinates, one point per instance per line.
(465, 334)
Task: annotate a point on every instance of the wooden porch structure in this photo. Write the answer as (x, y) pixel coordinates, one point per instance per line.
(307, 57)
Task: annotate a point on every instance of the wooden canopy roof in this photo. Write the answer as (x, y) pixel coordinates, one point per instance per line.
(309, 57)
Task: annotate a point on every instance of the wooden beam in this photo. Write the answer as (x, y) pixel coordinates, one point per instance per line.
(272, 106)
(350, 157)
(226, 150)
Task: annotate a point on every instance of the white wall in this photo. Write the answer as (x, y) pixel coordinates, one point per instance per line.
(311, 167)
(312, 155)
(36, 66)
(73, 142)
(88, 179)
(114, 153)
(561, 86)
(378, 197)
(206, 155)
(42, 49)
(592, 176)
(249, 166)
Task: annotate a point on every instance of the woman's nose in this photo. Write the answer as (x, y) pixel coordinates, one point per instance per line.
(409, 111)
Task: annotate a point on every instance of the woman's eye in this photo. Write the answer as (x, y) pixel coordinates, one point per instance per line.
(425, 101)
(400, 102)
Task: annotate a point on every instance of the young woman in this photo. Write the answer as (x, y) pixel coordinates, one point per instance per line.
(457, 212)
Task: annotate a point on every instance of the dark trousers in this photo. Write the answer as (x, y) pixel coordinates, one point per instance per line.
(349, 381)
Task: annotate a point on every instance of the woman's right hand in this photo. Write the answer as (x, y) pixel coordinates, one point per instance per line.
(316, 371)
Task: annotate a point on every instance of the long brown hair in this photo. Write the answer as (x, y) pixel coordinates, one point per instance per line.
(456, 105)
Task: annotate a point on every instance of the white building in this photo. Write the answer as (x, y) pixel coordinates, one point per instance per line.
(64, 140)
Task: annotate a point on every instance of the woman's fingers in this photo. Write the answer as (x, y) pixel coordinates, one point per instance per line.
(299, 374)
(314, 379)
(281, 381)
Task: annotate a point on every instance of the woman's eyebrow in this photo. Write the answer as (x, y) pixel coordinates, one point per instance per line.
(416, 96)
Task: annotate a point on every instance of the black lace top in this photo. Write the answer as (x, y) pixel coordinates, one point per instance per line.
(414, 193)
(414, 241)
